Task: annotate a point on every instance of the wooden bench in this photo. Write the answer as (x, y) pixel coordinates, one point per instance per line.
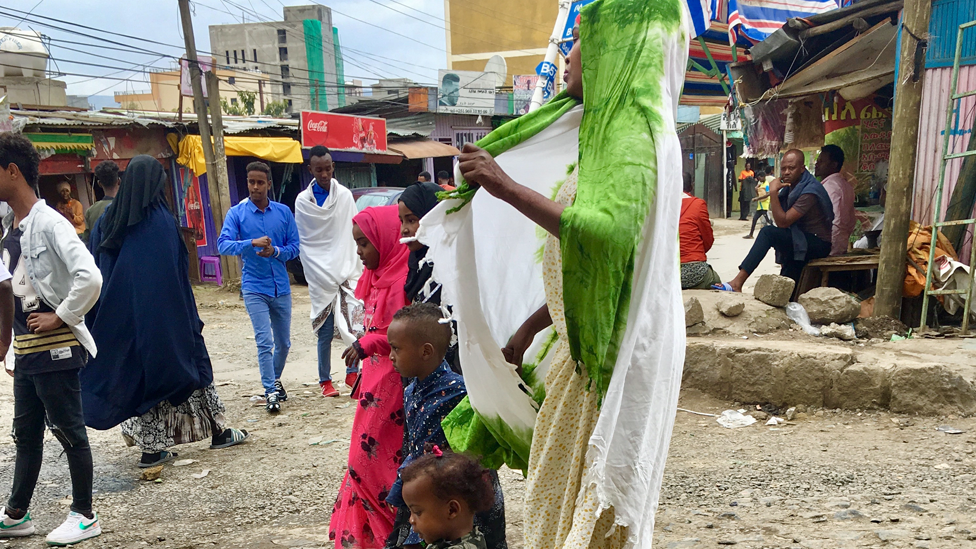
(817, 272)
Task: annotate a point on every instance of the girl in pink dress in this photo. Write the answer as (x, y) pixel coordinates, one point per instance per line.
(361, 517)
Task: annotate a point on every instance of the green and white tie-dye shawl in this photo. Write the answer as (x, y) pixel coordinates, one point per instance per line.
(620, 259)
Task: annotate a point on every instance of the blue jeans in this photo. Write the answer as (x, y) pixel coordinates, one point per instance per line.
(271, 319)
(326, 333)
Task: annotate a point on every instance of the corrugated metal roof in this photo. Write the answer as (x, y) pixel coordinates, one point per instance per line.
(420, 124)
(87, 119)
(712, 122)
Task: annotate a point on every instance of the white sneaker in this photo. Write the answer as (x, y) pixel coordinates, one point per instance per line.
(75, 528)
(10, 528)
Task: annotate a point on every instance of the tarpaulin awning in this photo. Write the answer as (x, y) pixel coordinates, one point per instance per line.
(61, 142)
(423, 148)
(272, 149)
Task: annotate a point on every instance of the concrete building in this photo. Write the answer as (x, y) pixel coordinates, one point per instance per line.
(298, 53)
(517, 30)
(33, 90)
(164, 92)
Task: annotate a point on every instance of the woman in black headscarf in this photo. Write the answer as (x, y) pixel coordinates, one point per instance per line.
(415, 202)
(152, 373)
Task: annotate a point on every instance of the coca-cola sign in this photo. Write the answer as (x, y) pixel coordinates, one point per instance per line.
(343, 132)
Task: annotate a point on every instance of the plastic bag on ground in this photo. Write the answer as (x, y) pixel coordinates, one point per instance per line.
(798, 314)
(733, 419)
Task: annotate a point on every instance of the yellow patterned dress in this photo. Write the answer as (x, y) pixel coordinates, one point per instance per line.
(561, 513)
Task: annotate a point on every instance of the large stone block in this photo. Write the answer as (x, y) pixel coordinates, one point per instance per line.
(930, 389)
(694, 314)
(774, 290)
(859, 386)
(830, 305)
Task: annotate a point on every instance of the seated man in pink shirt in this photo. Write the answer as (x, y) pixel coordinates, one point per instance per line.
(829, 163)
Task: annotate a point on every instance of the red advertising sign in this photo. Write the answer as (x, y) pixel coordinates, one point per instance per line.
(343, 132)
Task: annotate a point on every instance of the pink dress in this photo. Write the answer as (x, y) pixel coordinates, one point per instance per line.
(361, 518)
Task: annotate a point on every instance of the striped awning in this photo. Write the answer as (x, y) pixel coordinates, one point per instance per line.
(61, 142)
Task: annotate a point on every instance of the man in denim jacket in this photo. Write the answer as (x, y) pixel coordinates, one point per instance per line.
(55, 282)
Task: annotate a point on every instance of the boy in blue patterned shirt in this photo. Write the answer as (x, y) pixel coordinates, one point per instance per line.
(419, 337)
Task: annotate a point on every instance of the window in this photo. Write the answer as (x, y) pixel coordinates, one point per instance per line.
(243, 59)
(286, 89)
(285, 72)
(255, 52)
(233, 100)
(283, 54)
(282, 36)
(231, 80)
(227, 55)
(468, 136)
(289, 105)
(235, 57)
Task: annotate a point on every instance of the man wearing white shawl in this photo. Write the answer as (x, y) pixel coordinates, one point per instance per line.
(324, 213)
(590, 413)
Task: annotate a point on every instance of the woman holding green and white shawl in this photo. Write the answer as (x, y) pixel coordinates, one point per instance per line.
(592, 419)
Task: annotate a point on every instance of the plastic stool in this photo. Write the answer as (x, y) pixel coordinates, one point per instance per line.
(210, 270)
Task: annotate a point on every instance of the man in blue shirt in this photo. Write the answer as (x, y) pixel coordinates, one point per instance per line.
(264, 234)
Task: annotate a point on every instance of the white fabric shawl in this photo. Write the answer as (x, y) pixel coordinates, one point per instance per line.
(328, 250)
(486, 257)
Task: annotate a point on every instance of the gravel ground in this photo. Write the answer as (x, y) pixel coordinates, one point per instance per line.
(825, 480)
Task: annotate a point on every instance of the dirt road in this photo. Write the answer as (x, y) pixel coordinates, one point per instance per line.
(827, 480)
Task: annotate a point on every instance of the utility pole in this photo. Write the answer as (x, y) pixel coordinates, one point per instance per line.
(217, 208)
(552, 52)
(901, 168)
(261, 95)
(219, 172)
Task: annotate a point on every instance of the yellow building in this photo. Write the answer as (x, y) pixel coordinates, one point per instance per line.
(517, 30)
(164, 92)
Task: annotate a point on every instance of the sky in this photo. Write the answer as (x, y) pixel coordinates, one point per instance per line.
(380, 38)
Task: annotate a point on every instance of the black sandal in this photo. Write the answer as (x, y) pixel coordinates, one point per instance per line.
(159, 458)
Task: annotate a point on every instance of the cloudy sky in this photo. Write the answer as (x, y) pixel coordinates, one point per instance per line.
(380, 38)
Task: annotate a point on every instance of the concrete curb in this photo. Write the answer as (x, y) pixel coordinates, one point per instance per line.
(830, 376)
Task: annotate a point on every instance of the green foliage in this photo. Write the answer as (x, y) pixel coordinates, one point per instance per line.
(275, 109)
(244, 106)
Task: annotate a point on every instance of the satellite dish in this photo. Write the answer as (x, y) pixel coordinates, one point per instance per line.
(497, 66)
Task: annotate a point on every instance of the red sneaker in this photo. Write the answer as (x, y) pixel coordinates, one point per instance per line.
(328, 390)
(351, 380)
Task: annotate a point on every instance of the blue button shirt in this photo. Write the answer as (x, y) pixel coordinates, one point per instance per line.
(321, 195)
(246, 222)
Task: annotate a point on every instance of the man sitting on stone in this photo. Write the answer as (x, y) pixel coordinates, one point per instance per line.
(695, 235)
(804, 216)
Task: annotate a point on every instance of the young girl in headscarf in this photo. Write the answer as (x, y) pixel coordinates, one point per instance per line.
(361, 517)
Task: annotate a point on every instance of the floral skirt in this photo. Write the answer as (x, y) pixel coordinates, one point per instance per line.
(199, 418)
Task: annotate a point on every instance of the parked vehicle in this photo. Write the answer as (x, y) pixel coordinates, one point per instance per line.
(376, 196)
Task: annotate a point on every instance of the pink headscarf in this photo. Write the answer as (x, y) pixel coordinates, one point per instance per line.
(381, 225)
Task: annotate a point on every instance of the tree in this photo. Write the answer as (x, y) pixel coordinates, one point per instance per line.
(275, 109)
(244, 106)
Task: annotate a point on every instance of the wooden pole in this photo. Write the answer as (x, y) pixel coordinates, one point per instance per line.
(229, 265)
(216, 208)
(901, 168)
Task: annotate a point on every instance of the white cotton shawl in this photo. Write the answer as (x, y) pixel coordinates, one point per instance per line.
(328, 250)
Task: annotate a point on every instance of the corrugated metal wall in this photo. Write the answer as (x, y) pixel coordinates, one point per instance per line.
(935, 98)
(947, 15)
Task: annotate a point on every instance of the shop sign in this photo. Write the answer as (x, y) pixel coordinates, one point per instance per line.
(343, 132)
